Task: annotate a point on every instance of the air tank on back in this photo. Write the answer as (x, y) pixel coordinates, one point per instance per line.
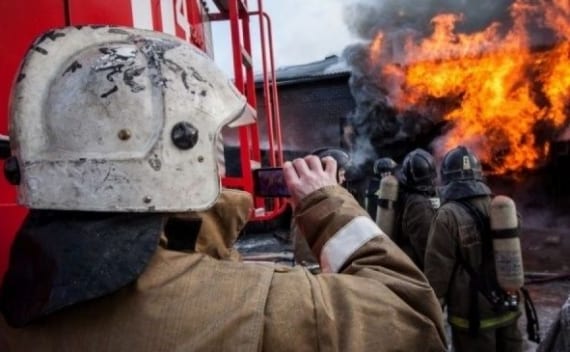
(506, 244)
(387, 196)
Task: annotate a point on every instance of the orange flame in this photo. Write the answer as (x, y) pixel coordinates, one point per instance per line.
(503, 91)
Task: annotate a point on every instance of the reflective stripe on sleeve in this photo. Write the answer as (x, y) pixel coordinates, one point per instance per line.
(346, 241)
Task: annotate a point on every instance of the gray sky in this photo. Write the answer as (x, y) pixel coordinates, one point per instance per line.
(303, 31)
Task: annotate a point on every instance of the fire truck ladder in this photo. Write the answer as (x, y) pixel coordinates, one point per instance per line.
(237, 13)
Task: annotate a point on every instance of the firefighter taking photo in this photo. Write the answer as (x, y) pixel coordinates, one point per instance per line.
(114, 133)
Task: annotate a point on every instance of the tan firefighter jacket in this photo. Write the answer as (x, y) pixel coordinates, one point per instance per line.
(453, 227)
(370, 298)
(222, 223)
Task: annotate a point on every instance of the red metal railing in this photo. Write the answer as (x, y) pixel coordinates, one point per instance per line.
(249, 142)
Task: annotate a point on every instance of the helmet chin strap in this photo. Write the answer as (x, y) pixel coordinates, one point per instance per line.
(4, 147)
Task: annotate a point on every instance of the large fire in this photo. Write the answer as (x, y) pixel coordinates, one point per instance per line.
(503, 91)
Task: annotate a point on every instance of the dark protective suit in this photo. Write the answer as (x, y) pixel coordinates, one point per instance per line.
(413, 220)
(370, 298)
(453, 230)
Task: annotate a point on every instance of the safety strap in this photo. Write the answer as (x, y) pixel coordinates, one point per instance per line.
(475, 283)
(398, 214)
(533, 328)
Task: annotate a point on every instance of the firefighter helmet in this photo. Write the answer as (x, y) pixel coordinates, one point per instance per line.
(462, 175)
(384, 166)
(460, 164)
(117, 119)
(418, 171)
(342, 158)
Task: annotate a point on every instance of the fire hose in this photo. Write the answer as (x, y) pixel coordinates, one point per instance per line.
(541, 278)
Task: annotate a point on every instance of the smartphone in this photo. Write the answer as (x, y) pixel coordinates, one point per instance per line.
(270, 182)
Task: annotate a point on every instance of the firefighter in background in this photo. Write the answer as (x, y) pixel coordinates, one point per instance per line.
(459, 262)
(114, 130)
(347, 174)
(342, 158)
(382, 167)
(416, 204)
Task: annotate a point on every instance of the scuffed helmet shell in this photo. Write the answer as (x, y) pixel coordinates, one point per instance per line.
(94, 115)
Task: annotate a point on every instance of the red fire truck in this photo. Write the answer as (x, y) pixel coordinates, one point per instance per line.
(190, 20)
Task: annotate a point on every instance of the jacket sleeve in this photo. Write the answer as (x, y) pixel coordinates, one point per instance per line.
(441, 252)
(370, 296)
(418, 216)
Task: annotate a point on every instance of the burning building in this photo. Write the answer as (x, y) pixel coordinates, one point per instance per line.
(494, 78)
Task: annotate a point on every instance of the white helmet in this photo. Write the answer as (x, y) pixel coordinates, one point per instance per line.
(119, 119)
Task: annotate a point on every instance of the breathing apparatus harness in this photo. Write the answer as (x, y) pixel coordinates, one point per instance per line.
(484, 281)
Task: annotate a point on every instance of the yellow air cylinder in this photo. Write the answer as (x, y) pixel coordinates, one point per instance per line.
(506, 244)
(387, 196)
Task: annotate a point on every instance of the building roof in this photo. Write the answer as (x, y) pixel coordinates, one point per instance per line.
(331, 67)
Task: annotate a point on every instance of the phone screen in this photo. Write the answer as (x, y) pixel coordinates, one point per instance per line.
(270, 182)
